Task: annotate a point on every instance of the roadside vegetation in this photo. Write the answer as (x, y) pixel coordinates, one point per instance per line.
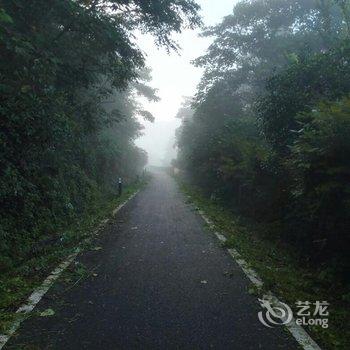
(267, 137)
(17, 283)
(281, 269)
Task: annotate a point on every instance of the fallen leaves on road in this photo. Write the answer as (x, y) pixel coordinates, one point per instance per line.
(47, 313)
(228, 273)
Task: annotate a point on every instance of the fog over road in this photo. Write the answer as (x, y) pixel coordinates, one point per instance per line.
(160, 281)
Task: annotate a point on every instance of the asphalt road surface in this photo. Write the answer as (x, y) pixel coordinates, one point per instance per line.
(158, 280)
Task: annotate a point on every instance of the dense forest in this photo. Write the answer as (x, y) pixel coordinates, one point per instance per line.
(268, 130)
(70, 74)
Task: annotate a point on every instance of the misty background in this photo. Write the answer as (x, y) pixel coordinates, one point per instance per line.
(175, 77)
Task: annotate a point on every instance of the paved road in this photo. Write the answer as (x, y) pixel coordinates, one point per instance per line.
(148, 290)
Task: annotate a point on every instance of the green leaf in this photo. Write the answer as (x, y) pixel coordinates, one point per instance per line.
(47, 313)
(4, 17)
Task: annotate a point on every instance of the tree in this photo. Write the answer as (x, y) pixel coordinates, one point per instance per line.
(61, 62)
(269, 63)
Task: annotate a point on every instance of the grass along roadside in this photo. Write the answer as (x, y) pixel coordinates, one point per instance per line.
(280, 269)
(16, 284)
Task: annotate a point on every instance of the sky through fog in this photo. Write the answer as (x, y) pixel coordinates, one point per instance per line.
(174, 76)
